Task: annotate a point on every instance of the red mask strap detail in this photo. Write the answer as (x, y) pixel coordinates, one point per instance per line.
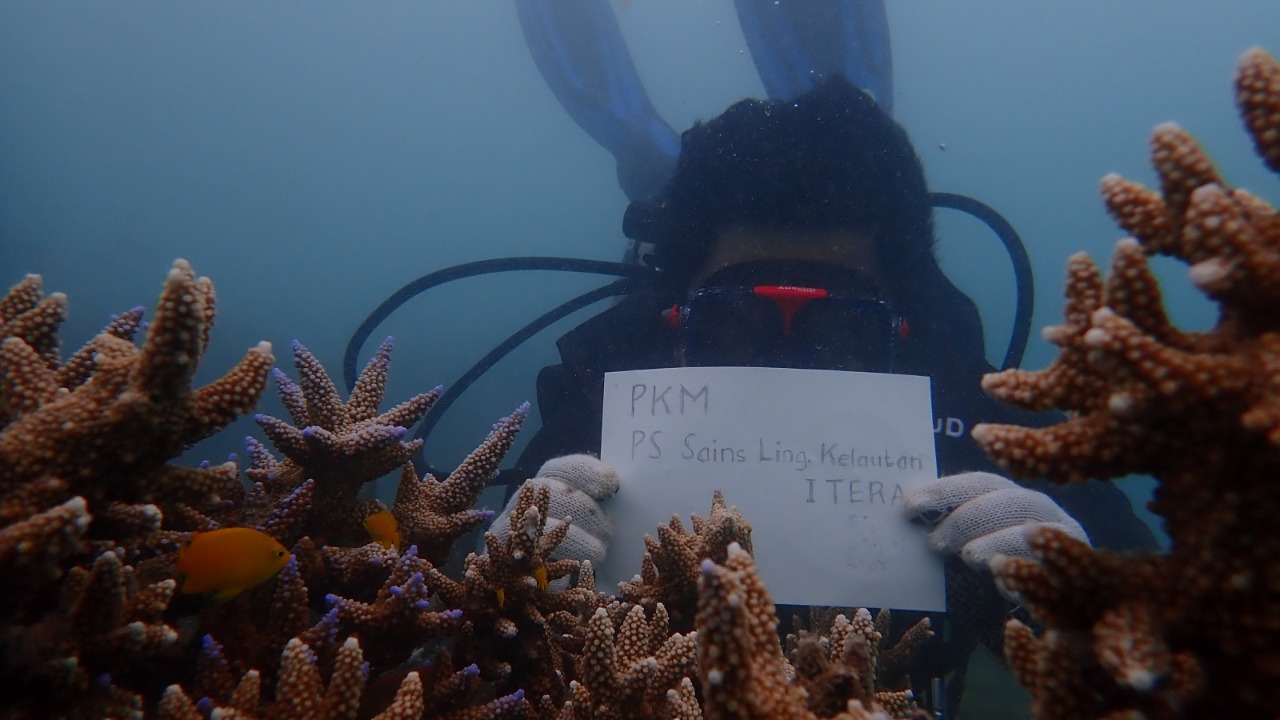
(671, 316)
(789, 300)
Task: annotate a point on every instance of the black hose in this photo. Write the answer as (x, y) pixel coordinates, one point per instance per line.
(1021, 267)
(466, 270)
(617, 287)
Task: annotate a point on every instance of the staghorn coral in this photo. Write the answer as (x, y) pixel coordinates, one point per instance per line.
(91, 511)
(1193, 633)
(671, 565)
(333, 448)
(633, 668)
(745, 675)
(401, 617)
(338, 446)
(433, 514)
(104, 635)
(856, 655)
(75, 432)
(28, 316)
(300, 694)
(97, 630)
(520, 629)
(236, 639)
(85, 486)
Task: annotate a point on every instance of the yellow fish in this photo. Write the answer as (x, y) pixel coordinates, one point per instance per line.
(229, 561)
(383, 528)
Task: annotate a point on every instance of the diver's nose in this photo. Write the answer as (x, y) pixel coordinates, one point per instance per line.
(785, 353)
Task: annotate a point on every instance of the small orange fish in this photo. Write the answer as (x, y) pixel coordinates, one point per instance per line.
(383, 528)
(539, 576)
(229, 561)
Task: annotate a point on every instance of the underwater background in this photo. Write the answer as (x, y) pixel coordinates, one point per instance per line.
(313, 158)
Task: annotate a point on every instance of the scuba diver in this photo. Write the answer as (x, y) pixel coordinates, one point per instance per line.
(816, 188)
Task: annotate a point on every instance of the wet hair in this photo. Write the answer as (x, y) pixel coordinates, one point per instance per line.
(829, 160)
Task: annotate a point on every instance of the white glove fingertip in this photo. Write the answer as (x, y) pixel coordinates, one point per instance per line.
(944, 495)
(986, 552)
(1074, 529)
(587, 473)
(994, 512)
(580, 545)
(996, 566)
(585, 511)
(1009, 542)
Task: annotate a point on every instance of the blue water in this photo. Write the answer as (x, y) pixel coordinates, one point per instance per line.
(310, 159)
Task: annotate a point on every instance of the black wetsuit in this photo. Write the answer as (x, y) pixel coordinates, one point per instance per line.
(628, 336)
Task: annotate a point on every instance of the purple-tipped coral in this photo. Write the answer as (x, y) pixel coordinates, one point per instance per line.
(94, 628)
(338, 445)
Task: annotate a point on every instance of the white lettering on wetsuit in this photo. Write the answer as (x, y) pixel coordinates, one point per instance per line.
(950, 426)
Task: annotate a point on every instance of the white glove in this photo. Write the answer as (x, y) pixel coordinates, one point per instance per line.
(576, 483)
(980, 515)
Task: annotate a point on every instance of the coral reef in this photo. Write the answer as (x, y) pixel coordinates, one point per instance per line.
(1192, 633)
(342, 446)
(672, 562)
(745, 675)
(97, 622)
(84, 485)
(334, 447)
(338, 446)
(631, 668)
(521, 631)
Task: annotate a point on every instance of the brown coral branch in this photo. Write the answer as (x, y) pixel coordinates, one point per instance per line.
(338, 446)
(671, 566)
(1190, 634)
(742, 669)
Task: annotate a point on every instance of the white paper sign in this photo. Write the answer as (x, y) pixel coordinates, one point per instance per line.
(817, 461)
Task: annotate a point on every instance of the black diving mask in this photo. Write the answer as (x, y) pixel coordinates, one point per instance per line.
(789, 314)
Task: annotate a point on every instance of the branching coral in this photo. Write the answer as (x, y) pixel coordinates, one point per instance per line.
(333, 448)
(631, 668)
(117, 426)
(433, 514)
(1193, 633)
(401, 617)
(338, 445)
(92, 516)
(83, 471)
(745, 675)
(671, 565)
(521, 630)
(857, 659)
(300, 693)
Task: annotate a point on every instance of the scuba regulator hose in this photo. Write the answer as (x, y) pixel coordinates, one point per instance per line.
(629, 276)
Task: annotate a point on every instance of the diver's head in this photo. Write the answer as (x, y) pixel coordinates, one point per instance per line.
(828, 168)
(775, 199)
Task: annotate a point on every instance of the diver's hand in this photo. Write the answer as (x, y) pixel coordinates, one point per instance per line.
(980, 515)
(576, 482)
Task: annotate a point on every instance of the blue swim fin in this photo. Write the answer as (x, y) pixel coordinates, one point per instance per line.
(797, 43)
(581, 54)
